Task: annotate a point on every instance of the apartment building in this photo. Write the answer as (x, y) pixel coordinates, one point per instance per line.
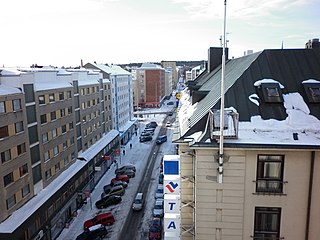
(121, 98)
(260, 181)
(57, 129)
(150, 86)
(172, 67)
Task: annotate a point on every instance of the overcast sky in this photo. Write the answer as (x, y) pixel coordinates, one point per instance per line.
(62, 32)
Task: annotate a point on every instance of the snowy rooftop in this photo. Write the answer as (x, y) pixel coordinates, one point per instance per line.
(6, 90)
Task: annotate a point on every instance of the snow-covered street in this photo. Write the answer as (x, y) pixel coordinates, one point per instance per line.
(137, 155)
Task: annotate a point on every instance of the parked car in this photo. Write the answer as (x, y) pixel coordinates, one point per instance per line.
(123, 178)
(152, 125)
(116, 183)
(103, 218)
(129, 173)
(170, 113)
(168, 124)
(93, 233)
(154, 233)
(126, 167)
(145, 138)
(159, 191)
(108, 201)
(138, 202)
(161, 139)
(158, 208)
(143, 134)
(170, 103)
(161, 176)
(115, 190)
(156, 222)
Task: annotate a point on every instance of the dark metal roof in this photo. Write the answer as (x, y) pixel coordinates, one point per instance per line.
(290, 67)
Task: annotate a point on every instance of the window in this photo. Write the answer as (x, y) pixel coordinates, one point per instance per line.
(272, 92)
(53, 115)
(315, 92)
(48, 174)
(2, 107)
(71, 140)
(23, 169)
(62, 112)
(70, 125)
(69, 94)
(57, 167)
(54, 133)
(41, 99)
(16, 104)
(43, 119)
(11, 201)
(270, 174)
(66, 161)
(55, 150)
(65, 145)
(267, 223)
(69, 110)
(45, 137)
(61, 96)
(51, 97)
(83, 91)
(25, 190)
(64, 128)
(6, 156)
(21, 148)
(4, 132)
(46, 156)
(19, 127)
(7, 179)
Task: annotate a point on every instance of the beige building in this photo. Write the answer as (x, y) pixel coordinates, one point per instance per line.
(261, 181)
(171, 66)
(56, 128)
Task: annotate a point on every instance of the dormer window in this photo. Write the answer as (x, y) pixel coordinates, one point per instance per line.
(312, 89)
(271, 93)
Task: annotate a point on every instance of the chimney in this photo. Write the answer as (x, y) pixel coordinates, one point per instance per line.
(215, 57)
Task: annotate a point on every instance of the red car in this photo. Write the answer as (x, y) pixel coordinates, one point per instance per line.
(104, 219)
(123, 178)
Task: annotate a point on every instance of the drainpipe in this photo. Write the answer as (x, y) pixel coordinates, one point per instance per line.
(310, 195)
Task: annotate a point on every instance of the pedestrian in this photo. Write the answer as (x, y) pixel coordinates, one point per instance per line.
(124, 152)
(136, 133)
(130, 145)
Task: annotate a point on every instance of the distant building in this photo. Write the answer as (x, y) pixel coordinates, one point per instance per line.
(314, 43)
(172, 66)
(55, 130)
(121, 98)
(149, 86)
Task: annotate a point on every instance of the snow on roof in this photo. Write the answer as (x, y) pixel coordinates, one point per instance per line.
(258, 83)
(9, 72)
(150, 66)
(41, 86)
(113, 70)
(6, 90)
(311, 81)
(99, 145)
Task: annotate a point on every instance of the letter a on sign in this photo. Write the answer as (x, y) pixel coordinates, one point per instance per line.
(172, 225)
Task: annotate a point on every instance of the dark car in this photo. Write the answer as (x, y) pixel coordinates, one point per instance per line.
(170, 113)
(156, 222)
(161, 139)
(126, 167)
(93, 233)
(108, 201)
(145, 138)
(129, 173)
(143, 134)
(116, 183)
(154, 233)
(115, 190)
(151, 125)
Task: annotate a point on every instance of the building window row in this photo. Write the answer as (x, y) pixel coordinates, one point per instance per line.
(91, 116)
(9, 178)
(90, 103)
(6, 155)
(53, 97)
(89, 90)
(53, 115)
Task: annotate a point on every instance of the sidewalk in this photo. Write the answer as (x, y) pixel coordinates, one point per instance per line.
(137, 156)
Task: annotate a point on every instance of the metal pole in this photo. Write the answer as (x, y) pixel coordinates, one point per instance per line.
(220, 168)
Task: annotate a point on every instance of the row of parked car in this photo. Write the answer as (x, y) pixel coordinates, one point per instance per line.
(155, 230)
(148, 132)
(111, 195)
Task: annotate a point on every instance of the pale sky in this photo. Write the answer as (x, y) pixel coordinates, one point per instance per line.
(62, 32)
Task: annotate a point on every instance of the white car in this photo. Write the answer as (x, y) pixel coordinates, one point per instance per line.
(168, 124)
(158, 208)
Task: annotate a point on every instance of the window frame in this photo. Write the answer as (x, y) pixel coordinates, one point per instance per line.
(8, 179)
(2, 107)
(16, 105)
(18, 126)
(265, 183)
(263, 217)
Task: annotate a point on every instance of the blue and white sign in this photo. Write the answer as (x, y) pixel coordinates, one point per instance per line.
(172, 223)
(172, 204)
